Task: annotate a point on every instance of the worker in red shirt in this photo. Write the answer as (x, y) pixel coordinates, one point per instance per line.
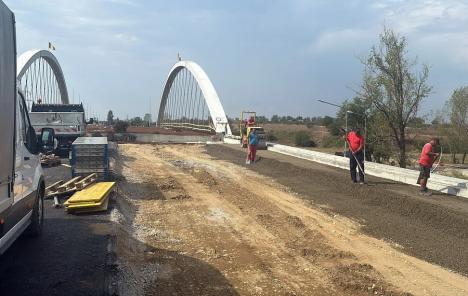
(251, 121)
(426, 160)
(356, 144)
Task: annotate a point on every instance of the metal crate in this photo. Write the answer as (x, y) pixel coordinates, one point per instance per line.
(90, 155)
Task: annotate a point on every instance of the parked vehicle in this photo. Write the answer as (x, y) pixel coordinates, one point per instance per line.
(22, 183)
(66, 121)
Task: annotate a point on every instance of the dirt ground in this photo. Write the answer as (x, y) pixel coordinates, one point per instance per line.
(190, 224)
(434, 229)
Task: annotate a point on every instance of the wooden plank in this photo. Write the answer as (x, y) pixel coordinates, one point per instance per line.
(53, 186)
(68, 185)
(86, 181)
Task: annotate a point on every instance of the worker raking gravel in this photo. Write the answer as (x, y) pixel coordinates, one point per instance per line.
(426, 160)
(355, 153)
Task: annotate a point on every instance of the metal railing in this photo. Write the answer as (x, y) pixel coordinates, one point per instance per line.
(186, 125)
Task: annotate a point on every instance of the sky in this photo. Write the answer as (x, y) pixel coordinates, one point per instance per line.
(272, 56)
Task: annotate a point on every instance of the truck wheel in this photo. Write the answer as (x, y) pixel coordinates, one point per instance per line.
(37, 218)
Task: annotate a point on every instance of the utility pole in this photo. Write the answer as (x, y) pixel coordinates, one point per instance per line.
(346, 116)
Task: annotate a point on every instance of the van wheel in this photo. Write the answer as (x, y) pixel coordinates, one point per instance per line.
(37, 218)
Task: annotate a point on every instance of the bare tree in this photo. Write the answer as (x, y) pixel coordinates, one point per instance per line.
(391, 86)
(457, 107)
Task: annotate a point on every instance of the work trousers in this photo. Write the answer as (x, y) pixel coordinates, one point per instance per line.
(353, 165)
(252, 153)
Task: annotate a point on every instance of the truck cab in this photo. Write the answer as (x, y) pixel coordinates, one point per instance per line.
(22, 184)
(66, 121)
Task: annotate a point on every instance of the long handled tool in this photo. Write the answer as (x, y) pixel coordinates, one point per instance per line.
(358, 163)
(438, 163)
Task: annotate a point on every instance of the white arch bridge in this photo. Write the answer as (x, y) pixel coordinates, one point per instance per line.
(190, 101)
(41, 78)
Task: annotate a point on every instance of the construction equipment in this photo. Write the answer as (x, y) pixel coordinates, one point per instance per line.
(247, 123)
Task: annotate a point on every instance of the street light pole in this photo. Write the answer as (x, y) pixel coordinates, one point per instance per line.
(346, 135)
(346, 119)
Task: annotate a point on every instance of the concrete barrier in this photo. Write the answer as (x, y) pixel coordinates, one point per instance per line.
(449, 185)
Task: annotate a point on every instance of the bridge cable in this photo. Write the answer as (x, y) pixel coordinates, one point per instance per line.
(184, 97)
(192, 105)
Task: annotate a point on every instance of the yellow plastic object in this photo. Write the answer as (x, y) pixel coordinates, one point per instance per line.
(89, 207)
(93, 194)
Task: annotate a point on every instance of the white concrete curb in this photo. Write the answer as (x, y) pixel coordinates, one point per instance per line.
(449, 185)
(231, 141)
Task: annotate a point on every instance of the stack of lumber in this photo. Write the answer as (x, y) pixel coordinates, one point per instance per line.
(50, 160)
(94, 198)
(62, 188)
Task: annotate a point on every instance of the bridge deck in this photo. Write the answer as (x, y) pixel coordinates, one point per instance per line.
(283, 226)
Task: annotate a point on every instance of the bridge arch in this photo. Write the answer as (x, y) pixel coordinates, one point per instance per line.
(187, 84)
(41, 78)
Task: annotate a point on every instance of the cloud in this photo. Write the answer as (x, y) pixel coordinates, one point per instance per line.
(410, 16)
(116, 51)
(341, 39)
(126, 38)
(124, 2)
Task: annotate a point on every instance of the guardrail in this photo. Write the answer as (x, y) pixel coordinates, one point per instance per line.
(186, 125)
(449, 185)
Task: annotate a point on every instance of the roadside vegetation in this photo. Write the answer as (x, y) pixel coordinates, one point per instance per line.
(386, 106)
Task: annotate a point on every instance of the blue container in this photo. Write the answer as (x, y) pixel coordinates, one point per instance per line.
(90, 155)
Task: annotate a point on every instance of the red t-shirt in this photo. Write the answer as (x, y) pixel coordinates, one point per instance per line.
(424, 159)
(355, 141)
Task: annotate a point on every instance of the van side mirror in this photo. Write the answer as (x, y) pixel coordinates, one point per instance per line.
(47, 140)
(31, 140)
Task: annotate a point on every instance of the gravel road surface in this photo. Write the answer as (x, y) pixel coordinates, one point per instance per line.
(434, 229)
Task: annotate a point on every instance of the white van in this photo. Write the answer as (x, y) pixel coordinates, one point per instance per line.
(22, 184)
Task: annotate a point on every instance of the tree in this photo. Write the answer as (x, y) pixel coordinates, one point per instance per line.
(376, 130)
(136, 121)
(393, 88)
(458, 113)
(417, 122)
(110, 117)
(148, 119)
(120, 126)
(327, 120)
(302, 139)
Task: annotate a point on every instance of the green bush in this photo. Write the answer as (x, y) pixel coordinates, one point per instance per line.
(270, 136)
(303, 139)
(120, 126)
(332, 142)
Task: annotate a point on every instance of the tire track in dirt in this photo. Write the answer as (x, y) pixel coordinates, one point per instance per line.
(434, 229)
(221, 241)
(413, 274)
